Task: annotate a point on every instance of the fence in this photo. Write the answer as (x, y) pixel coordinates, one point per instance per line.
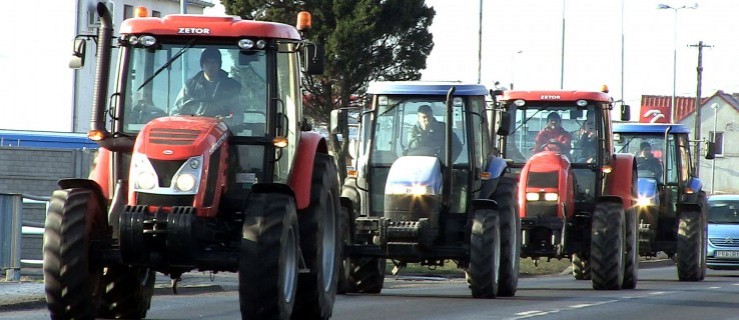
(13, 228)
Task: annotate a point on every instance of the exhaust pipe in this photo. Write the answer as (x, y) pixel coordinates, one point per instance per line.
(100, 91)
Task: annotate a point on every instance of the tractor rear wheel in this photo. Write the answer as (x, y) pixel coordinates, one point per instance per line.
(128, 292)
(631, 262)
(73, 271)
(607, 246)
(581, 266)
(510, 236)
(268, 266)
(321, 243)
(483, 272)
(690, 246)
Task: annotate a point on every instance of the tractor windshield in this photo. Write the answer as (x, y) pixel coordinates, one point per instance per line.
(575, 131)
(649, 150)
(194, 80)
(415, 126)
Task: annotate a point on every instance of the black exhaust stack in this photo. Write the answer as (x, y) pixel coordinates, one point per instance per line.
(100, 91)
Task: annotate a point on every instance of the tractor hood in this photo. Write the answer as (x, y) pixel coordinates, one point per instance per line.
(180, 137)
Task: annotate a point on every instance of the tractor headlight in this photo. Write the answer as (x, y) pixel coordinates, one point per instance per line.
(551, 196)
(142, 172)
(185, 182)
(414, 190)
(532, 196)
(643, 201)
(146, 180)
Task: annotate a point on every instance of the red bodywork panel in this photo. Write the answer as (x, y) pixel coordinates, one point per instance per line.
(556, 95)
(302, 172)
(620, 182)
(208, 26)
(182, 137)
(101, 172)
(548, 161)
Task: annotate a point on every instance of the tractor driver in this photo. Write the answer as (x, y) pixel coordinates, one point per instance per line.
(646, 160)
(553, 137)
(587, 142)
(430, 133)
(211, 92)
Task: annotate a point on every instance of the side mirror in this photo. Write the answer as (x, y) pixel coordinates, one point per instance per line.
(313, 59)
(339, 121)
(505, 124)
(78, 54)
(710, 150)
(625, 112)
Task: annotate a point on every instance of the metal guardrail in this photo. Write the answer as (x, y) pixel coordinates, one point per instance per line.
(12, 228)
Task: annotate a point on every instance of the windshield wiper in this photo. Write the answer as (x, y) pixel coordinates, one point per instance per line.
(526, 121)
(168, 63)
(626, 144)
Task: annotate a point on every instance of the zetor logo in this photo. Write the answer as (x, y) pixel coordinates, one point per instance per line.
(194, 30)
(548, 97)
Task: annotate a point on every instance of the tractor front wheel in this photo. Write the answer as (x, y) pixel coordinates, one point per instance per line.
(73, 271)
(510, 236)
(690, 246)
(607, 246)
(483, 272)
(268, 266)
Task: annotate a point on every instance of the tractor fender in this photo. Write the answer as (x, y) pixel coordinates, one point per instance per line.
(496, 166)
(272, 188)
(620, 181)
(302, 171)
(88, 185)
(349, 193)
(484, 204)
(694, 188)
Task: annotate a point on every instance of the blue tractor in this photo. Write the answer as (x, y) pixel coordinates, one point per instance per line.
(671, 201)
(429, 196)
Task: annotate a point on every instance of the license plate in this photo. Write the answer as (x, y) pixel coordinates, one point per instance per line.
(727, 254)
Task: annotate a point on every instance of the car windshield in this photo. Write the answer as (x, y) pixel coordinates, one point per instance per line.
(723, 211)
(554, 126)
(192, 79)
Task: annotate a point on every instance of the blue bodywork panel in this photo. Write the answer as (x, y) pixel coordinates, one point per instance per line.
(638, 127)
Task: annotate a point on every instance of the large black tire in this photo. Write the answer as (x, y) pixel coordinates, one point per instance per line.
(581, 266)
(128, 292)
(607, 246)
(269, 262)
(631, 262)
(483, 272)
(510, 236)
(344, 285)
(72, 272)
(367, 275)
(691, 246)
(321, 243)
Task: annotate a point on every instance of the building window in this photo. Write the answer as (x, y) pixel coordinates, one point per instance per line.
(719, 140)
(156, 14)
(127, 11)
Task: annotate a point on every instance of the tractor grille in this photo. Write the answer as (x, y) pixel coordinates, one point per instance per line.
(541, 209)
(165, 170)
(725, 242)
(163, 200)
(543, 179)
(175, 137)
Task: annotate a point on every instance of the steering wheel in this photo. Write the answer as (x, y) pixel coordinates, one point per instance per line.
(553, 142)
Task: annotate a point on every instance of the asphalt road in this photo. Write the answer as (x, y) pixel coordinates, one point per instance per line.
(658, 296)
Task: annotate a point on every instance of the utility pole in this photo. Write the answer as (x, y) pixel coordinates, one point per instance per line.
(698, 119)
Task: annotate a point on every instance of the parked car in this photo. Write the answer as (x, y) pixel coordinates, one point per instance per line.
(723, 232)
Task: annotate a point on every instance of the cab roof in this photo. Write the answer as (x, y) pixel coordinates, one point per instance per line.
(638, 127)
(555, 95)
(425, 88)
(208, 26)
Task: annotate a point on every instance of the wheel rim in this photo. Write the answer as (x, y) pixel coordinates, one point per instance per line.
(329, 242)
(289, 269)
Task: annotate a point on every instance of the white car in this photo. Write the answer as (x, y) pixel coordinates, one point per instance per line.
(723, 232)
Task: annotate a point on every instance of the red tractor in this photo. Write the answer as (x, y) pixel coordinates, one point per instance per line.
(189, 179)
(576, 197)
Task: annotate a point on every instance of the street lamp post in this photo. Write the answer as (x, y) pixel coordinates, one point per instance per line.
(674, 54)
(715, 107)
(513, 67)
